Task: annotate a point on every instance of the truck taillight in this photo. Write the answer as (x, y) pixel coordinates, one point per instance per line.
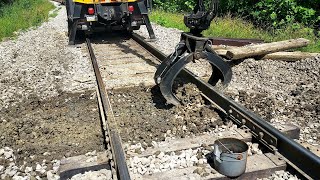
(90, 11)
(130, 8)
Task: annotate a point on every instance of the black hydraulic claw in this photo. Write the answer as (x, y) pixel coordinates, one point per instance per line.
(169, 76)
(163, 67)
(189, 49)
(192, 46)
(220, 69)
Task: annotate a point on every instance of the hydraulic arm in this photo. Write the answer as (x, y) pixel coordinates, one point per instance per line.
(192, 46)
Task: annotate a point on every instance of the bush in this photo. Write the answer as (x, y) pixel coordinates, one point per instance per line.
(285, 12)
(174, 5)
(265, 13)
(275, 13)
(4, 3)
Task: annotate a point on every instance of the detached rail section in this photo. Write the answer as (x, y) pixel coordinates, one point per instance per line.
(119, 159)
(298, 157)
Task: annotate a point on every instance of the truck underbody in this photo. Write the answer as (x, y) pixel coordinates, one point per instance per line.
(113, 16)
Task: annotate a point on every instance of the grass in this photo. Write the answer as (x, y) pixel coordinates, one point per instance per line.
(54, 13)
(234, 27)
(22, 14)
(169, 20)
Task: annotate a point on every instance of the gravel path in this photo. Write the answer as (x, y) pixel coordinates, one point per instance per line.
(40, 63)
(48, 108)
(102, 174)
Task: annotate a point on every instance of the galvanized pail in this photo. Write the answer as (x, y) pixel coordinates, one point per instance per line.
(230, 156)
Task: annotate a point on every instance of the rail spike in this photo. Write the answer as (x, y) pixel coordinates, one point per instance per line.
(192, 46)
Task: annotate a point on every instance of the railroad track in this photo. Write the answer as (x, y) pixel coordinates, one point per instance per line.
(118, 163)
(130, 63)
(288, 148)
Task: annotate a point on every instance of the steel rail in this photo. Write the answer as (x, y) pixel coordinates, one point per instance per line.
(114, 138)
(304, 161)
(234, 41)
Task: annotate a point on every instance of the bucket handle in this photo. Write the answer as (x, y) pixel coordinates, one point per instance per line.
(216, 153)
(231, 152)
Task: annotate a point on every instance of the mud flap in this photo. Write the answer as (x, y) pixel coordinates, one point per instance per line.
(73, 15)
(144, 12)
(72, 32)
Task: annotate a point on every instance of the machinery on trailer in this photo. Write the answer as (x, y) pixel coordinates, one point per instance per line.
(192, 46)
(96, 15)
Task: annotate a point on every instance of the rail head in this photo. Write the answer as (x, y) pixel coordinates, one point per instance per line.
(114, 138)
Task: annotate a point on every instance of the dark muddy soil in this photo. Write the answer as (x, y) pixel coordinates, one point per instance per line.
(66, 125)
(143, 116)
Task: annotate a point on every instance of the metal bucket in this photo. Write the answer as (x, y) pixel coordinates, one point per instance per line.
(230, 156)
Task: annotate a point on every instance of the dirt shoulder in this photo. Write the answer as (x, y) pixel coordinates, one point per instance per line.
(48, 107)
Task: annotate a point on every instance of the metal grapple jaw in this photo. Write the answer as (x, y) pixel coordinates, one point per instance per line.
(190, 49)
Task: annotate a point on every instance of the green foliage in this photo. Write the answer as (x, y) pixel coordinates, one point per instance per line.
(54, 13)
(4, 2)
(168, 19)
(275, 13)
(234, 27)
(177, 5)
(174, 5)
(22, 14)
(265, 13)
(283, 12)
(242, 8)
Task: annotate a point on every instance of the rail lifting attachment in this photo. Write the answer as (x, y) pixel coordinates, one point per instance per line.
(192, 46)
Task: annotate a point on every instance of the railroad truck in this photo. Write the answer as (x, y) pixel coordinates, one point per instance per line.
(88, 16)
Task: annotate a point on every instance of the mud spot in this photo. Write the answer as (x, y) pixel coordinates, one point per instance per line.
(66, 125)
(142, 115)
